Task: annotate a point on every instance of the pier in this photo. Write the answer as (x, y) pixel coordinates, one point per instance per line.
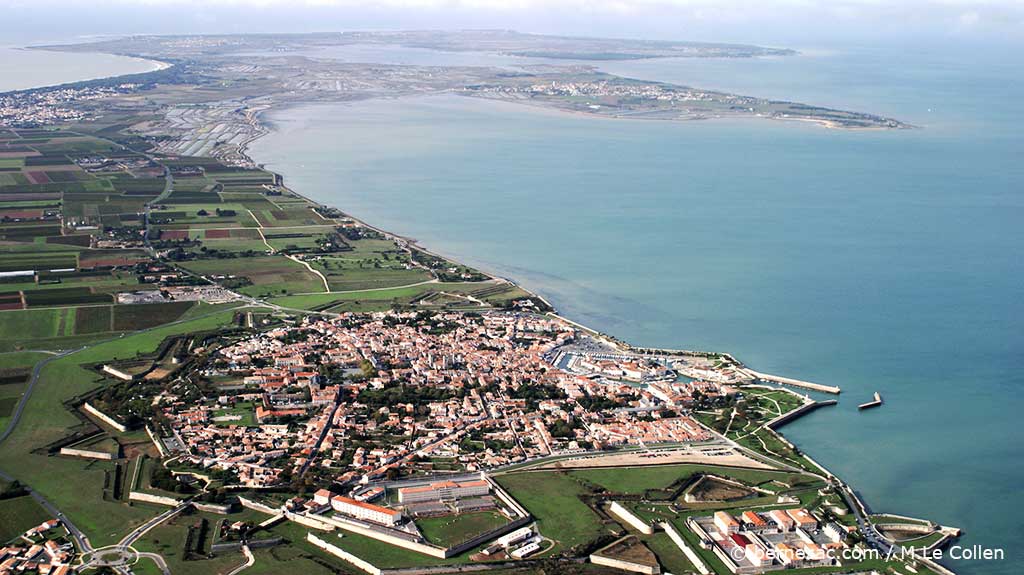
(877, 401)
(794, 382)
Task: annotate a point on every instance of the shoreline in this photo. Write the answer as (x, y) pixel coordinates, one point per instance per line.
(154, 66)
(855, 499)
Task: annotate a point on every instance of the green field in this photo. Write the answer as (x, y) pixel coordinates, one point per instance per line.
(638, 480)
(142, 316)
(270, 275)
(380, 299)
(168, 539)
(45, 420)
(245, 410)
(292, 559)
(18, 515)
(18, 261)
(454, 529)
(370, 264)
(383, 555)
(23, 325)
(669, 555)
(554, 499)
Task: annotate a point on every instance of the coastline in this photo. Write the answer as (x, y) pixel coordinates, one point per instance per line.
(821, 122)
(152, 66)
(267, 126)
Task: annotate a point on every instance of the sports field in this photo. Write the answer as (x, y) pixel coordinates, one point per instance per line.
(451, 530)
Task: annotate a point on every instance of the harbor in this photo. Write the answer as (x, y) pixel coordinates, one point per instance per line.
(873, 403)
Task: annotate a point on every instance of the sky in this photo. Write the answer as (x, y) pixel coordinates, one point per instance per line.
(768, 22)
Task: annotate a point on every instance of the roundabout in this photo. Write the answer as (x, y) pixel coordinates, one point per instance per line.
(112, 556)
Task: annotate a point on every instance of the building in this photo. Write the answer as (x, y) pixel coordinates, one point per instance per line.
(367, 511)
(757, 556)
(525, 550)
(835, 532)
(803, 519)
(514, 537)
(812, 552)
(444, 491)
(786, 554)
(322, 497)
(782, 519)
(753, 522)
(726, 523)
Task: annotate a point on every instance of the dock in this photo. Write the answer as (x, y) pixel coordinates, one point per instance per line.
(794, 382)
(877, 401)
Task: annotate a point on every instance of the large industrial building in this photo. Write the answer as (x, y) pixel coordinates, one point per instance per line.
(444, 491)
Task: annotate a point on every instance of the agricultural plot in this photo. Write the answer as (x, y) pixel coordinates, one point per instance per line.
(237, 240)
(370, 264)
(201, 216)
(259, 275)
(25, 325)
(307, 240)
(65, 296)
(93, 319)
(274, 217)
(19, 514)
(411, 297)
(11, 300)
(90, 259)
(143, 316)
(27, 231)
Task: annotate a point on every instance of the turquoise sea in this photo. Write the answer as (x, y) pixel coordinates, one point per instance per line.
(876, 261)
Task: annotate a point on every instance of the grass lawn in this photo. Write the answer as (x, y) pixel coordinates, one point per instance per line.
(453, 529)
(383, 555)
(374, 300)
(553, 498)
(245, 410)
(292, 559)
(15, 371)
(45, 420)
(168, 539)
(637, 480)
(669, 555)
(18, 515)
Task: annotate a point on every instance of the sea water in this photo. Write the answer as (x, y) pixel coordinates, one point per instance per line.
(882, 261)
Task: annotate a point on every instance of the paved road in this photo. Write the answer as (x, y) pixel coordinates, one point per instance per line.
(141, 530)
(249, 560)
(79, 537)
(36, 370)
(158, 560)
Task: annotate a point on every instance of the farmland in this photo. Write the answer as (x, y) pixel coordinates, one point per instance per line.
(370, 264)
(18, 514)
(69, 326)
(260, 275)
